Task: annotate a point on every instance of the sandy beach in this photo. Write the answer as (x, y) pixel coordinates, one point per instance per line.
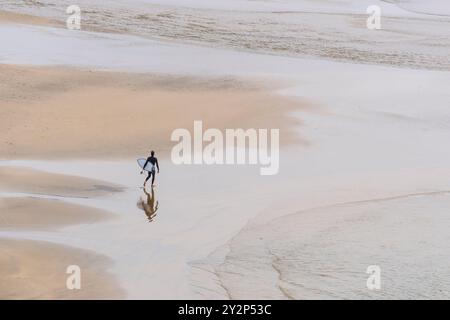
(32, 270)
(363, 178)
(71, 103)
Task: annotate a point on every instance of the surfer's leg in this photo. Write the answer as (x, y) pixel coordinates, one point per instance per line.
(148, 177)
(153, 178)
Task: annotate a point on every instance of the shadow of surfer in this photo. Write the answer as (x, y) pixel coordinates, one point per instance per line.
(149, 206)
(151, 164)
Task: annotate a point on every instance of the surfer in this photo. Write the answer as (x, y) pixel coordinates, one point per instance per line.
(151, 173)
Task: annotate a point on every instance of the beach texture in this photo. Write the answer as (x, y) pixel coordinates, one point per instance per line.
(364, 127)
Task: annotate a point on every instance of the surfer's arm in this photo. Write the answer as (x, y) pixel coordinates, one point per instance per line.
(157, 165)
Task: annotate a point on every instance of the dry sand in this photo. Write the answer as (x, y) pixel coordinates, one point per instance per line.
(25, 180)
(56, 112)
(37, 270)
(29, 213)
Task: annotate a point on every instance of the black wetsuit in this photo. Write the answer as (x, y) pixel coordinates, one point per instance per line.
(154, 161)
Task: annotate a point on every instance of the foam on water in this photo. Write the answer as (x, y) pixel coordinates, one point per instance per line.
(332, 30)
(431, 7)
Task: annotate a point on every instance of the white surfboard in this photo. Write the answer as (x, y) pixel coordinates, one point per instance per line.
(148, 167)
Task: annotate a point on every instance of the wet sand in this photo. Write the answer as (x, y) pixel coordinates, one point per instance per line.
(26, 180)
(37, 270)
(29, 213)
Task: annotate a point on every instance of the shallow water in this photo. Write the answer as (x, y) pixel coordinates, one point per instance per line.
(324, 253)
(336, 32)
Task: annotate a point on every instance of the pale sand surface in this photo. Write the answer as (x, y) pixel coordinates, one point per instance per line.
(37, 270)
(26, 180)
(30, 213)
(56, 112)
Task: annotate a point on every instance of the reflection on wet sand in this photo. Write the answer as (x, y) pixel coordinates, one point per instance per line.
(149, 205)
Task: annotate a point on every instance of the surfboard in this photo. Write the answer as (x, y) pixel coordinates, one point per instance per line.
(148, 167)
